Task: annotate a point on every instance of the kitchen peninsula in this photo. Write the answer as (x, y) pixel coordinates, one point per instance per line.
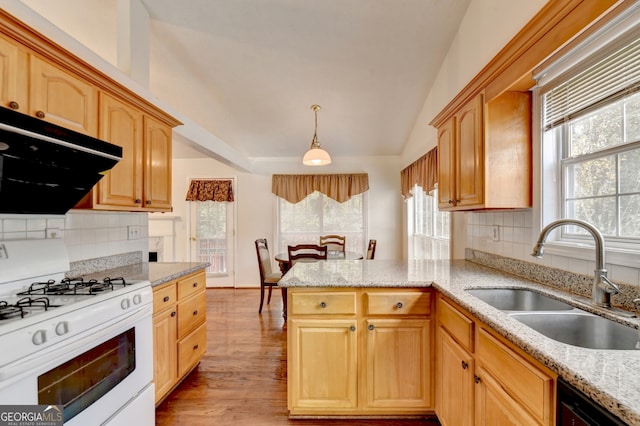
(348, 319)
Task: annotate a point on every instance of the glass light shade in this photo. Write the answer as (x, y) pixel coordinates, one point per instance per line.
(316, 157)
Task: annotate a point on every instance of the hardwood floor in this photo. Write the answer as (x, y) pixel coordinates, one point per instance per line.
(242, 379)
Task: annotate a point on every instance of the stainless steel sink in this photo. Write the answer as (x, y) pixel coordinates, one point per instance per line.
(510, 299)
(582, 329)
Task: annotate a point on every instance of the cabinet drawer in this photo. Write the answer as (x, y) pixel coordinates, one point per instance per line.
(456, 323)
(398, 303)
(163, 297)
(522, 380)
(322, 303)
(191, 349)
(191, 285)
(191, 313)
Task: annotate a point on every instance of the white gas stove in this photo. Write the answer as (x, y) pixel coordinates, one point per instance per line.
(84, 345)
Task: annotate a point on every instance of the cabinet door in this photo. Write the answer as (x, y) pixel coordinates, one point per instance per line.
(454, 382)
(469, 154)
(398, 378)
(446, 165)
(322, 356)
(495, 407)
(121, 125)
(165, 365)
(157, 178)
(61, 98)
(12, 91)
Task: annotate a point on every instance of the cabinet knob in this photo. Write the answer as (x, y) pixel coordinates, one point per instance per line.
(195, 347)
(450, 201)
(138, 201)
(39, 114)
(464, 365)
(14, 105)
(399, 305)
(371, 327)
(166, 299)
(323, 305)
(476, 379)
(195, 312)
(195, 284)
(352, 328)
(173, 314)
(148, 202)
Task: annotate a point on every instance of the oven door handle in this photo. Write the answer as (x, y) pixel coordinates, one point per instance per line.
(43, 361)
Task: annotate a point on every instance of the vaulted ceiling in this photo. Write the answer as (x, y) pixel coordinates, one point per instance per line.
(248, 71)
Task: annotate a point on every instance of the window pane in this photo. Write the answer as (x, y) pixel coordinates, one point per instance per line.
(630, 172)
(629, 215)
(592, 178)
(301, 217)
(600, 212)
(342, 217)
(598, 130)
(211, 235)
(632, 117)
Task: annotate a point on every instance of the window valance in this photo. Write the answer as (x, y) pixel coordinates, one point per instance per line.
(210, 190)
(340, 187)
(423, 171)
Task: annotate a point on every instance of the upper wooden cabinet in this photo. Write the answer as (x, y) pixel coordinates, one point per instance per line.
(62, 98)
(33, 86)
(41, 79)
(141, 181)
(484, 154)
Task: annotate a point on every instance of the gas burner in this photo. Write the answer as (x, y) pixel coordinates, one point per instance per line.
(116, 281)
(35, 302)
(9, 311)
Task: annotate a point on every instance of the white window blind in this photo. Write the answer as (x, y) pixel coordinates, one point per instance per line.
(615, 76)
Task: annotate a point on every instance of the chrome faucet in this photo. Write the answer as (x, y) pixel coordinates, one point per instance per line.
(603, 288)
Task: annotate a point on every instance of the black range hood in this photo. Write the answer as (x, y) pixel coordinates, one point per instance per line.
(45, 168)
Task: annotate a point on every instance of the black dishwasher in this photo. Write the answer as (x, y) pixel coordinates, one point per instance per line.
(574, 408)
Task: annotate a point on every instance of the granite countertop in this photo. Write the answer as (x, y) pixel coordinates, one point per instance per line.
(156, 273)
(610, 377)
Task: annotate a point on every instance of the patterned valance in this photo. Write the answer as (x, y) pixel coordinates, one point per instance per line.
(340, 187)
(210, 190)
(423, 171)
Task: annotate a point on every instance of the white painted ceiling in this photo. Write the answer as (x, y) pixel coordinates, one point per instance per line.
(368, 64)
(248, 71)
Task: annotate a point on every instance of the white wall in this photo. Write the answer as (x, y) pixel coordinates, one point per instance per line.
(256, 205)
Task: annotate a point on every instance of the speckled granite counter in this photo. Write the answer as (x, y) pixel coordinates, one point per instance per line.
(612, 378)
(156, 273)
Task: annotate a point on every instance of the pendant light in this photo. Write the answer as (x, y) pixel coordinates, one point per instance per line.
(316, 156)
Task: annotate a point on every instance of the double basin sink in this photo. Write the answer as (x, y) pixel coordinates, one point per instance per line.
(560, 321)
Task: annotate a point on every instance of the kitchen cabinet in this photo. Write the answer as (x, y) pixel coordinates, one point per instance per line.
(359, 352)
(34, 86)
(41, 79)
(484, 154)
(179, 325)
(483, 379)
(141, 181)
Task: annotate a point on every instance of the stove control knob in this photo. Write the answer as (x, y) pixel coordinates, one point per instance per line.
(62, 328)
(137, 299)
(125, 304)
(39, 337)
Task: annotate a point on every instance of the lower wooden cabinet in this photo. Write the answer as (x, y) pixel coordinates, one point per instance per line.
(359, 352)
(179, 330)
(482, 379)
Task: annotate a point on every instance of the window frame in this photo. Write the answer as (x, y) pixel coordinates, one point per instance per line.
(548, 190)
(436, 239)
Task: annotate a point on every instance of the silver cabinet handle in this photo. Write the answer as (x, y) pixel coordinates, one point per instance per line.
(399, 305)
(323, 305)
(352, 328)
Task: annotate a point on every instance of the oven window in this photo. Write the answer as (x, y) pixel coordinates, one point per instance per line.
(81, 381)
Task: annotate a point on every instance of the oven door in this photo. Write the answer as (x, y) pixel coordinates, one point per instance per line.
(100, 377)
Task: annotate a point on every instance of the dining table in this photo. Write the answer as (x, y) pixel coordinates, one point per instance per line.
(283, 263)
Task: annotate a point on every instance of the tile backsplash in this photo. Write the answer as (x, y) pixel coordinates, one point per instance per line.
(515, 240)
(87, 234)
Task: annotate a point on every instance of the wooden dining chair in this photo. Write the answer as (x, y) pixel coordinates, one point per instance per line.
(371, 249)
(268, 278)
(334, 242)
(306, 253)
